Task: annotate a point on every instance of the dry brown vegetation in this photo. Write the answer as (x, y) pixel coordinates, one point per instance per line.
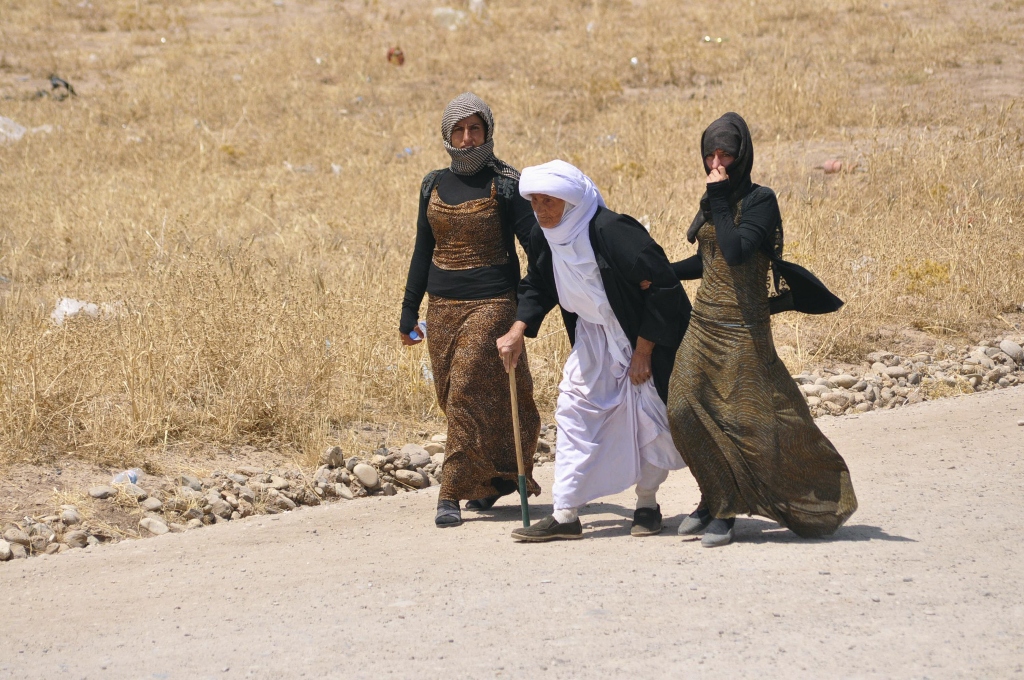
(191, 183)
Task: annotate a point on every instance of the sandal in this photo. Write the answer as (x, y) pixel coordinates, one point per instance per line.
(448, 514)
(485, 503)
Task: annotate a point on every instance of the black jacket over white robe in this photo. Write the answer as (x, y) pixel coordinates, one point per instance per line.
(626, 255)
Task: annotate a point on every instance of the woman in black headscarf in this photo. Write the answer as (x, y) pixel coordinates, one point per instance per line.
(736, 415)
(465, 260)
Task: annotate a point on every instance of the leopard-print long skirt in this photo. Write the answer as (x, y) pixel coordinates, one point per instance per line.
(473, 392)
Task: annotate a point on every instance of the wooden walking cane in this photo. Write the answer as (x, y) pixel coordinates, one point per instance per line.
(519, 446)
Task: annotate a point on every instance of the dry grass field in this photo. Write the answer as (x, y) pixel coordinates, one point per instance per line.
(237, 181)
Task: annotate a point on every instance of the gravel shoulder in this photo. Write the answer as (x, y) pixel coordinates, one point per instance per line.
(925, 581)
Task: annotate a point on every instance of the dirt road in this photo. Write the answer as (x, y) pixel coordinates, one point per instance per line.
(925, 582)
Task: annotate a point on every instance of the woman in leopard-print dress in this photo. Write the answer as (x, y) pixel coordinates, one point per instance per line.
(465, 261)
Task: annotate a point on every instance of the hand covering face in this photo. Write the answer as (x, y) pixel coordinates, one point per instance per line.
(730, 134)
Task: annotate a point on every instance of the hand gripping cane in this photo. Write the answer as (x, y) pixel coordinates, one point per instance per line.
(519, 446)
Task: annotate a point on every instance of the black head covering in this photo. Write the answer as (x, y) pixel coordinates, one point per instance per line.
(730, 134)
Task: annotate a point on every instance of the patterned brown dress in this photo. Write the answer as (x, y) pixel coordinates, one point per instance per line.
(737, 416)
(471, 383)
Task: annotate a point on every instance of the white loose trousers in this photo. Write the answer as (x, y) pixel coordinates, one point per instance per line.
(606, 425)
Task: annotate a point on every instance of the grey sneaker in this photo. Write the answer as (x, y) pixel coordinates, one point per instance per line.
(548, 529)
(696, 522)
(718, 533)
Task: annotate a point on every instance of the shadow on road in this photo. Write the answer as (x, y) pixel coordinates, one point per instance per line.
(748, 529)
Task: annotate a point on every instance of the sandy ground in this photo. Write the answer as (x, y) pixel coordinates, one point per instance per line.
(925, 582)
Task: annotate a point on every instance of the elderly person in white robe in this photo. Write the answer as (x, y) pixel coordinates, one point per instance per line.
(613, 429)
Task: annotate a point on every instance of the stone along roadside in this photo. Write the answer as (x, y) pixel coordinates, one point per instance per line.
(165, 505)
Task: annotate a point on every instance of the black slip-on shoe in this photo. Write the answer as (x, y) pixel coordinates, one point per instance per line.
(549, 529)
(696, 522)
(485, 503)
(646, 522)
(719, 533)
(448, 514)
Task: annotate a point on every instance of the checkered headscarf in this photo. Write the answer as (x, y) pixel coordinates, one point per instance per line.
(471, 161)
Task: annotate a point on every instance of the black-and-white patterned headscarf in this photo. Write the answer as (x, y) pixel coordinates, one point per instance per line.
(471, 161)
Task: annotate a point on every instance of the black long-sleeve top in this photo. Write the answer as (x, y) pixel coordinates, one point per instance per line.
(467, 284)
(737, 242)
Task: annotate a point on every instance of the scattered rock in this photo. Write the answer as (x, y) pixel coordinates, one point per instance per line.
(16, 536)
(76, 539)
(813, 390)
(388, 489)
(333, 457)
(249, 470)
(342, 491)
(896, 372)
(190, 482)
(221, 508)
(135, 492)
(239, 479)
(281, 502)
(189, 494)
(152, 504)
(367, 475)
(39, 543)
(1012, 350)
(5, 551)
(70, 515)
(412, 478)
(102, 492)
(846, 381)
(154, 526)
(18, 551)
(433, 448)
(418, 455)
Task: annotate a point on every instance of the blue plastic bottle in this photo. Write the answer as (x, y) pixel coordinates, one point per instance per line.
(420, 332)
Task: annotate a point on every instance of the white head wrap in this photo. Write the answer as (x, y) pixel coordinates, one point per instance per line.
(577, 276)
